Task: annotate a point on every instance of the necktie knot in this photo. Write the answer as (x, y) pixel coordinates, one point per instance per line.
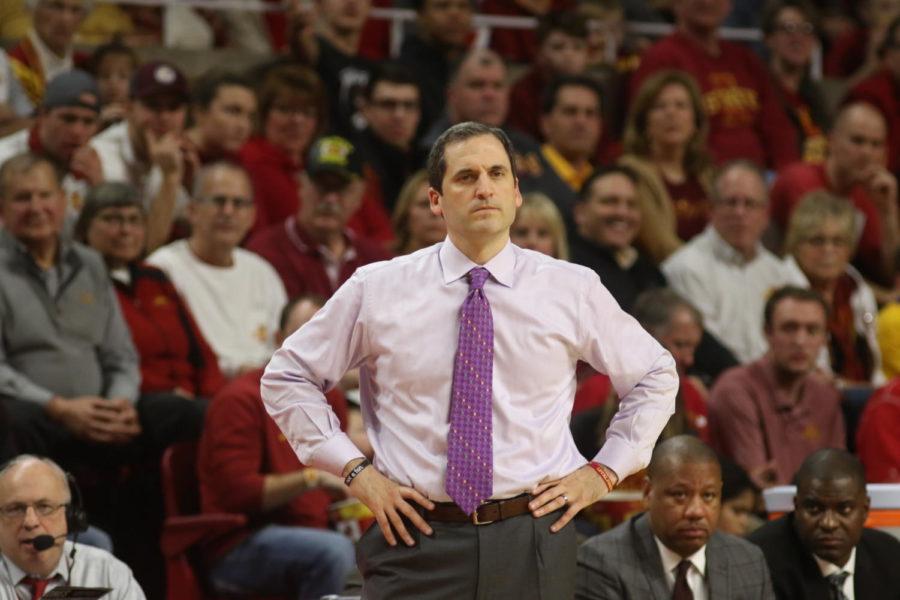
(836, 581)
(682, 569)
(38, 586)
(682, 590)
(477, 277)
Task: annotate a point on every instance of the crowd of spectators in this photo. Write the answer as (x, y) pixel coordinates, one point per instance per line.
(166, 225)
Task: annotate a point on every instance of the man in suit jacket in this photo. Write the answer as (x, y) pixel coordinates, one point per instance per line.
(821, 550)
(672, 550)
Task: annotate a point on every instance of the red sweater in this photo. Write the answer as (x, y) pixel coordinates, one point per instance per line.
(239, 446)
(877, 442)
(881, 91)
(173, 352)
(746, 117)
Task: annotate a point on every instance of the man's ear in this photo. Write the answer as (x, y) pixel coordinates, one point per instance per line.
(518, 194)
(434, 201)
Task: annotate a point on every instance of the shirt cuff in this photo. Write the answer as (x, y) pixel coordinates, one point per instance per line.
(619, 456)
(334, 454)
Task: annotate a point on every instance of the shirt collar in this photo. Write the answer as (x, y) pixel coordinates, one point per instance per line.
(828, 568)
(670, 559)
(455, 264)
(51, 63)
(726, 252)
(572, 175)
(16, 575)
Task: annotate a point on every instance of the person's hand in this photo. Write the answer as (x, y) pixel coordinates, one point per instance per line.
(302, 17)
(882, 187)
(576, 490)
(95, 419)
(85, 163)
(165, 152)
(764, 476)
(388, 502)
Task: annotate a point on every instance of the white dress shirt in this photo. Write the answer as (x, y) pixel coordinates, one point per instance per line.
(696, 575)
(92, 567)
(828, 568)
(728, 290)
(398, 322)
(11, 92)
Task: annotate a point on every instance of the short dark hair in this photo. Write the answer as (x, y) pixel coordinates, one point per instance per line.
(394, 73)
(655, 307)
(680, 449)
(774, 8)
(792, 292)
(285, 315)
(437, 163)
(550, 95)
(831, 463)
(567, 22)
(735, 480)
(605, 171)
(109, 194)
(207, 87)
(115, 47)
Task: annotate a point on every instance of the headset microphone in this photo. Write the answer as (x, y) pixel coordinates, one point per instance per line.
(45, 541)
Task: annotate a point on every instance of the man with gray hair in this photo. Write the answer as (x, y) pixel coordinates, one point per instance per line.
(725, 271)
(235, 296)
(37, 511)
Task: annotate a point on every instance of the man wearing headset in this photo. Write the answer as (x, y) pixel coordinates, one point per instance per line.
(37, 511)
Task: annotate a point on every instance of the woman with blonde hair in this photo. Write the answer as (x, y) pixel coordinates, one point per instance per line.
(665, 144)
(415, 226)
(539, 226)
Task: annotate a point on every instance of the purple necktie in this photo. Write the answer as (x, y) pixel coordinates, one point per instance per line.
(470, 459)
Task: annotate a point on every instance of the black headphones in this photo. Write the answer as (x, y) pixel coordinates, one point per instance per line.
(76, 517)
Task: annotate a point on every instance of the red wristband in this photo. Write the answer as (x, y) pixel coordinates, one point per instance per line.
(601, 471)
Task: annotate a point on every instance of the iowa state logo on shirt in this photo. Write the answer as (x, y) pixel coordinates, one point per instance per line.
(728, 101)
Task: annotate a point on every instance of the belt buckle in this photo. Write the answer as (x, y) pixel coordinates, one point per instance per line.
(475, 520)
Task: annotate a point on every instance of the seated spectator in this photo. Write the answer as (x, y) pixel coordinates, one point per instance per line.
(66, 120)
(179, 372)
(571, 123)
(853, 169)
(769, 415)
(539, 226)
(520, 45)
(113, 65)
(313, 251)
(821, 549)
(880, 90)
(392, 107)
(442, 35)
(820, 240)
(739, 499)
(246, 466)
(746, 119)
(877, 444)
(725, 271)
(233, 293)
(69, 373)
(673, 550)
(562, 52)
(415, 225)
(49, 47)
(15, 107)
(853, 54)
(665, 145)
(30, 568)
(148, 149)
(607, 221)
(790, 32)
(223, 110)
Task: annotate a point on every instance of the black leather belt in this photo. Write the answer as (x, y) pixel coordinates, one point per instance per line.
(489, 512)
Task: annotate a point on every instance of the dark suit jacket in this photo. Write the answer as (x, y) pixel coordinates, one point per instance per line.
(796, 576)
(624, 563)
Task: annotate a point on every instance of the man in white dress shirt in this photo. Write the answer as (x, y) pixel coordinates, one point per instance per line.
(505, 455)
(725, 271)
(35, 502)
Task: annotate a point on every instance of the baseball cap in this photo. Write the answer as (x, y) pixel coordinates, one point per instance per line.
(334, 154)
(72, 88)
(159, 78)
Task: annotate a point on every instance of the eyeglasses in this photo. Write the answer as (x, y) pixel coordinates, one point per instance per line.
(391, 104)
(222, 201)
(122, 220)
(801, 27)
(735, 202)
(17, 510)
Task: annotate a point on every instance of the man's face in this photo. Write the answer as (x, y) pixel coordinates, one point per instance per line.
(63, 130)
(56, 22)
(858, 144)
(573, 126)
(610, 215)
(741, 214)
(683, 503)
(563, 54)
(159, 115)
(34, 206)
(344, 16)
(796, 335)
(228, 121)
(329, 200)
(449, 22)
(481, 94)
(829, 515)
(682, 338)
(793, 40)
(701, 16)
(480, 195)
(38, 490)
(224, 211)
(393, 113)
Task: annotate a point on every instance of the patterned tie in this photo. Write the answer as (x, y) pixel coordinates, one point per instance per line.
(470, 459)
(836, 582)
(37, 586)
(682, 590)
